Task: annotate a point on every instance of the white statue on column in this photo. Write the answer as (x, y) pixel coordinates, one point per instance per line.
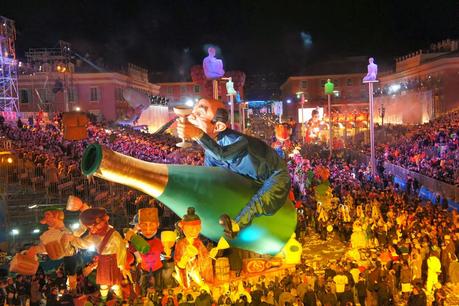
(372, 71)
(213, 67)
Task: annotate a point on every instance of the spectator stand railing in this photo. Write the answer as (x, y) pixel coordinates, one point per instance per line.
(443, 189)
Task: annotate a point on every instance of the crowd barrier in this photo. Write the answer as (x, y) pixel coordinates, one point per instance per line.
(56, 187)
(430, 188)
(5, 144)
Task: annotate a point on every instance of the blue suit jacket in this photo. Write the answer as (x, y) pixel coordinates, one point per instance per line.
(253, 158)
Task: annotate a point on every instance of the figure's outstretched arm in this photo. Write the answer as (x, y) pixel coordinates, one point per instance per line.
(269, 198)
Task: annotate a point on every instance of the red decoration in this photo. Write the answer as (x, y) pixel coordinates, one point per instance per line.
(322, 173)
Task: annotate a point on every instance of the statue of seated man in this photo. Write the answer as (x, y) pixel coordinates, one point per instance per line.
(372, 71)
(213, 68)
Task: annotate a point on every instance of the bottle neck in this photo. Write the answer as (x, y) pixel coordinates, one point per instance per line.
(104, 163)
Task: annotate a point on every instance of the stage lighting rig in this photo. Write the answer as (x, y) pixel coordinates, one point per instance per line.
(158, 100)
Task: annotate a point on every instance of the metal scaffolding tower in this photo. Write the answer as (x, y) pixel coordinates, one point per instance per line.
(9, 99)
(56, 65)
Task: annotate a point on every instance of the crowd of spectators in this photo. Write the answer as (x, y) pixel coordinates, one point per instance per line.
(45, 159)
(392, 237)
(432, 149)
(394, 231)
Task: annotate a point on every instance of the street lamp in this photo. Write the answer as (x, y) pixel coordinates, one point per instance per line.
(63, 69)
(14, 232)
(300, 95)
(329, 90)
(382, 112)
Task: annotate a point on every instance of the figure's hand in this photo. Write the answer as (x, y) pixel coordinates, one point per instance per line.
(128, 235)
(32, 251)
(67, 238)
(183, 261)
(138, 259)
(94, 264)
(186, 130)
(126, 274)
(213, 253)
(191, 251)
(167, 252)
(89, 268)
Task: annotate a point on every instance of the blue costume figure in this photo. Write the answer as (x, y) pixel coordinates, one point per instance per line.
(241, 154)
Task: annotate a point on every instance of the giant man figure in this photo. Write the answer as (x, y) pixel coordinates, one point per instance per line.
(242, 154)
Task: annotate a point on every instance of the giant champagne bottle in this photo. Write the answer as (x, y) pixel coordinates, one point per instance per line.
(212, 191)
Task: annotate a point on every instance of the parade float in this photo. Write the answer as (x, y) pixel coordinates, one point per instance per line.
(211, 190)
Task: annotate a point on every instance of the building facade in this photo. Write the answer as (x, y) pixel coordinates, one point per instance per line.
(100, 93)
(425, 79)
(180, 92)
(349, 94)
(433, 72)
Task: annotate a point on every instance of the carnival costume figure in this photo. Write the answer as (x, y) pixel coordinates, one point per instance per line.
(192, 262)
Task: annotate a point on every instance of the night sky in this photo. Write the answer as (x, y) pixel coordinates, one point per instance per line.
(253, 35)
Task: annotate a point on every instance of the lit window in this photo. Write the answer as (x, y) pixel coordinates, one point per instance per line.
(94, 94)
(24, 96)
(119, 94)
(72, 94)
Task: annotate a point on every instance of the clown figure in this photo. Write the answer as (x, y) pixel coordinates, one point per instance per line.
(191, 256)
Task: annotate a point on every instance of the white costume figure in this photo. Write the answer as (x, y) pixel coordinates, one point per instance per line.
(372, 71)
(344, 211)
(213, 68)
(358, 237)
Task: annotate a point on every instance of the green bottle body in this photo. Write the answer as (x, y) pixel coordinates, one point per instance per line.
(212, 191)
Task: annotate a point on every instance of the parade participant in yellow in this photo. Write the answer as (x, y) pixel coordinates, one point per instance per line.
(433, 269)
(191, 256)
